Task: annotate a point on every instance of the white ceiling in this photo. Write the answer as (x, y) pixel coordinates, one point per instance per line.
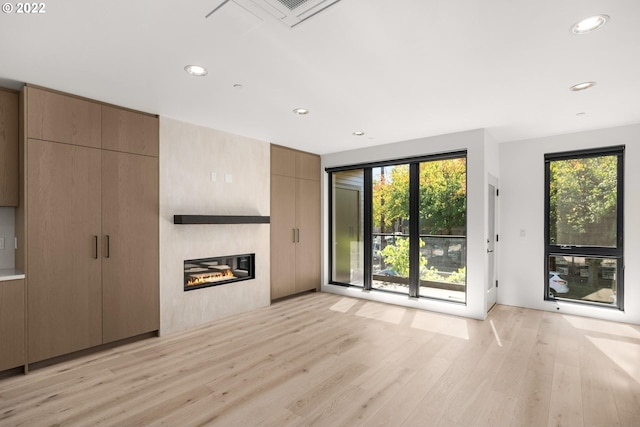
(395, 69)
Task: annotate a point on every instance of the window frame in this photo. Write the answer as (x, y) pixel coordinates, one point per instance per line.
(414, 226)
(603, 252)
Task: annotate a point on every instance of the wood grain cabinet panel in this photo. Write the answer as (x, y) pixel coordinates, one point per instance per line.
(308, 240)
(307, 166)
(9, 178)
(64, 269)
(90, 221)
(283, 235)
(283, 161)
(295, 222)
(129, 131)
(12, 324)
(130, 279)
(56, 117)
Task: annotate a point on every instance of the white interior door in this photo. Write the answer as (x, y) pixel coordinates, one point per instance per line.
(492, 237)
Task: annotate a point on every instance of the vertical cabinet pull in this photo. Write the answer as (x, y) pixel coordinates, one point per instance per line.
(95, 248)
(297, 235)
(108, 252)
(294, 235)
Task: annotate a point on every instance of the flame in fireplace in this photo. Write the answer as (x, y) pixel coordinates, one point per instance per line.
(210, 277)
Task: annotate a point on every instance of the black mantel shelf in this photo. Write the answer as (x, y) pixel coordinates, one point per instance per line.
(220, 219)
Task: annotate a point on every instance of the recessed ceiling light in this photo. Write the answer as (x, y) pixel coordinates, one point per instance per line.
(301, 111)
(237, 86)
(582, 86)
(582, 113)
(589, 24)
(358, 133)
(196, 70)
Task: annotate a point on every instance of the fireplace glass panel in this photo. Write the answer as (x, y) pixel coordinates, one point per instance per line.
(205, 272)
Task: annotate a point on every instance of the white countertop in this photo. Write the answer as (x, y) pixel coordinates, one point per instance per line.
(10, 274)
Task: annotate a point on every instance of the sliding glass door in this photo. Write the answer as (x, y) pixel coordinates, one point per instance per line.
(347, 222)
(390, 234)
(443, 229)
(401, 227)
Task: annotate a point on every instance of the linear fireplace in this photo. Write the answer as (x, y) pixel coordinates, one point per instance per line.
(205, 272)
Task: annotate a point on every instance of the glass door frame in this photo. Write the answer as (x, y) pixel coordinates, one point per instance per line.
(414, 223)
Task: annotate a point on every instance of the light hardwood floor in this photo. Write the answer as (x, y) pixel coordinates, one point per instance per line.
(322, 359)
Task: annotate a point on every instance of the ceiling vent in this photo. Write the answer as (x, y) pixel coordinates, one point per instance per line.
(290, 12)
(292, 4)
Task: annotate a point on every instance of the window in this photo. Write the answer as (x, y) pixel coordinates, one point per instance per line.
(443, 223)
(391, 238)
(584, 226)
(347, 220)
(401, 226)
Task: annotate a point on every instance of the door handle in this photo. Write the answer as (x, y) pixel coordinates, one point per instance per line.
(297, 235)
(95, 249)
(489, 250)
(294, 235)
(108, 252)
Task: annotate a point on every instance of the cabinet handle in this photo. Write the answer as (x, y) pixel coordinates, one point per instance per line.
(294, 235)
(108, 249)
(298, 235)
(95, 249)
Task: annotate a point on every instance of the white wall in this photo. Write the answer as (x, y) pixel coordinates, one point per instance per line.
(522, 208)
(188, 154)
(474, 143)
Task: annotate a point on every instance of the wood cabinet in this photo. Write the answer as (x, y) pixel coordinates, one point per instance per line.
(11, 324)
(295, 222)
(283, 235)
(56, 117)
(9, 163)
(131, 300)
(129, 131)
(64, 266)
(308, 239)
(90, 226)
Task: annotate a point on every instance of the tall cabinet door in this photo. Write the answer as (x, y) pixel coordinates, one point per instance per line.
(9, 160)
(64, 279)
(283, 235)
(308, 240)
(130, 245)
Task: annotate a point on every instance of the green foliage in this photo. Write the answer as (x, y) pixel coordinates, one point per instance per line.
(431, 275)
(391, 196)
(397, 256)
(459, 276)
(583, 201)
(443, 196)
